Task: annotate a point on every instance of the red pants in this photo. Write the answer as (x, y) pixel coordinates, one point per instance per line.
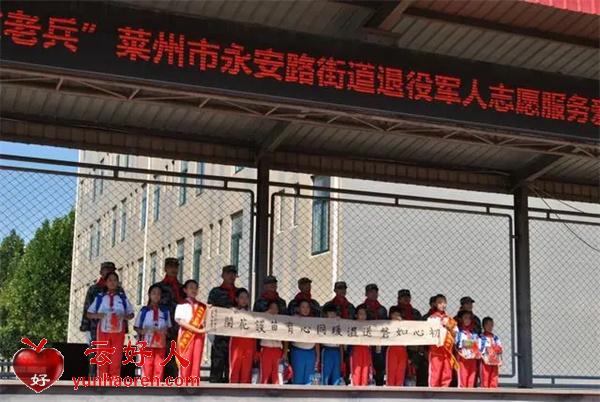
(489, 376)
(115, 339)
(440, 367)
(269, 365)
(152, 367)
(193, 354)
(396, 362)
(361, 364)
(467, 372)
(241, 356)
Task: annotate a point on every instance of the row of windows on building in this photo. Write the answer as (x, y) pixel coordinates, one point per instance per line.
(319, 218)
(98, 183)
(320, 210)
(126, 161)
(214, 245)
(319, 232)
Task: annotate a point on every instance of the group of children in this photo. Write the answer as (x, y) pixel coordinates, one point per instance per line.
(466, 349)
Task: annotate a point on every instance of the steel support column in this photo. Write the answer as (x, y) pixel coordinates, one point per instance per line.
(523, 288)
(261, 265)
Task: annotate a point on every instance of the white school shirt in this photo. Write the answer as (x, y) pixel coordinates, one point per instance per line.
(151, 325)
(303, 345)
(268, 343)
(185, 311)
(107, 324)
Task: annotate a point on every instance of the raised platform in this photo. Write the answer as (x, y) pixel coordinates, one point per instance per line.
(15, 391)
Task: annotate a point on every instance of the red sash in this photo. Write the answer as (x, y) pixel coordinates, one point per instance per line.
(199, 310)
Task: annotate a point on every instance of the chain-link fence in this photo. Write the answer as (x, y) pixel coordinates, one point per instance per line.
(427, 250)
(57, 227)
(564, 294)
(135, 220)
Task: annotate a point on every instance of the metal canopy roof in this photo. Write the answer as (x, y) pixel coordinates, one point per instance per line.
(121, 116)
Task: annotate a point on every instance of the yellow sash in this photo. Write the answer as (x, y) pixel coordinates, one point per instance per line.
(187, 335)
(449, 342)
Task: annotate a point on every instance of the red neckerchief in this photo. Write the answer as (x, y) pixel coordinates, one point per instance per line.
(230, 289)
(468, 329)
(114, 321)
(373, 306)
(343, 304)
(490, 335)
(303, 296)
(270, 295)
(437, 313)
(111, 298)
(101, 282)
(175, 286)
(154, 313)
(406, 311)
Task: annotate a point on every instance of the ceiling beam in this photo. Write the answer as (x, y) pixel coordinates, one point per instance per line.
(535, 169)
(165, 144)
(388, 14)
(500, 27)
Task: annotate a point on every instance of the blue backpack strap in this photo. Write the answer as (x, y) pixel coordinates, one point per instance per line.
(143, 313)
(98, 301)
(165, 311)
(123, 299)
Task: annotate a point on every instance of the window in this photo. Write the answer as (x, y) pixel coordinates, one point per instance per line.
(210, 240)
(128, 161)
(197, 255)
(236, 237)
(180, 255)
(183, 188)
(295, 211)
(320, 216)
(95, 188)
(123, 219)
(140, 280)
(113, 232)
(281, 211)
(199, 181)
(238, 169)
(144, 207)
(156, 200)
(219, 235)
(92, 242)
(98, 234)
(153, 266)
(101, 180)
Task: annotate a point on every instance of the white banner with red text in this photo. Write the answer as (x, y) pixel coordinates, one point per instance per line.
(246, 324)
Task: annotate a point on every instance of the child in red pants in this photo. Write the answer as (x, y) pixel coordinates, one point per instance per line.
(441, 359)
(190, 341)
(241, 350)
(491, 354)
(271, 354)
(111, 308)
(361, 364)
(467, 345)
(151, 325)
(396, 360)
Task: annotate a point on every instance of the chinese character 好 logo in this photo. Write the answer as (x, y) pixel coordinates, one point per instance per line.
(38, 368)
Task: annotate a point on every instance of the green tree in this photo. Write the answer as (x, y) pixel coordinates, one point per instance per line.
(11, 251)
(36, 297)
